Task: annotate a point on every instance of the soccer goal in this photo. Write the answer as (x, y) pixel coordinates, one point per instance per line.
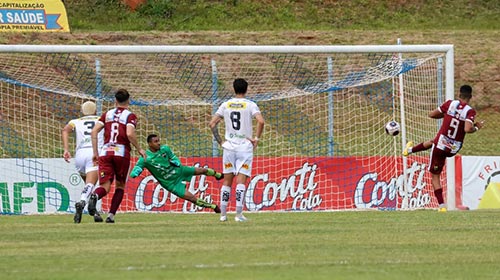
(324, 146)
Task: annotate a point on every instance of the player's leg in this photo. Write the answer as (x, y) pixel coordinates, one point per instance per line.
(228, 163)
(98, 193)
(410, 149)
(90, 179)
(208, 172)
(240, 196)
(116, 200)
(83, 163)
(176, 186)
(80, 204)
(122, 165)
(437, 161)
(200, 202)
(107, 174)
(243, 171)
(90, 182)
(90, 170)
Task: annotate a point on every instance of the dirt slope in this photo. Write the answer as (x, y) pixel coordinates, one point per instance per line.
(476, 53)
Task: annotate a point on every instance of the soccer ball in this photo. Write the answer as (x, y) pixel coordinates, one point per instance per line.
(392, 128)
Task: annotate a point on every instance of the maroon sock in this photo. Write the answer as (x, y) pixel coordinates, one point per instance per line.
(101, 192)
(418, 148)
(116, 201)
(439, 195)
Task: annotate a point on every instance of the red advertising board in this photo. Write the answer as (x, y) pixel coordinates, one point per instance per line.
(298, 183)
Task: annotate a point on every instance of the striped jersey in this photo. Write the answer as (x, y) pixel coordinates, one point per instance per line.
(115, 123)
(452, 131)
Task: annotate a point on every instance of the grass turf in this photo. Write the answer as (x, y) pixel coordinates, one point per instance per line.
(311, 245)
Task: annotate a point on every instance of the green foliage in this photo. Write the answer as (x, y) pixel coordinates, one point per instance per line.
(158, 9)
(90, 14)
(168, 15)
(311, 245)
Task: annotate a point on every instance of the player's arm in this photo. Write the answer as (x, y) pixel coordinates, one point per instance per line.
(68, 128)
(213, 127)
(138, 168)
(260, 128)
(436, 114)
(132, 137)
(471, 127)
(93, 137)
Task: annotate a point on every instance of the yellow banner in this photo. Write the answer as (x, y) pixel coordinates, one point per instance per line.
(33, 16)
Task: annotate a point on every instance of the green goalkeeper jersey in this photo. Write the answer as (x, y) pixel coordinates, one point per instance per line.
(161, 164)
(167, 169)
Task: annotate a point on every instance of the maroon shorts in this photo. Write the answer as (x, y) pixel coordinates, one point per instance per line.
(113, 167)
(438, 159)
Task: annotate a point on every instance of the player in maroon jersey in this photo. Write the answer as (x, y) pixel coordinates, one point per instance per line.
(114, 157)
(458, 119)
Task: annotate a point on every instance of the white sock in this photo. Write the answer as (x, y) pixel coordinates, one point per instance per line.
(86, 192)
(225, 193)
(240, 197)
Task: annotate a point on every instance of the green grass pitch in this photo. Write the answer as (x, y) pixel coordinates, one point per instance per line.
(420, 244)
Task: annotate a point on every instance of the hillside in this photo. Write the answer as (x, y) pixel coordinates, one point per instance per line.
(476, 52)
(472, 27)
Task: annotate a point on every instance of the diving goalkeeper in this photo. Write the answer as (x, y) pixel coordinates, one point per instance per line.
(167, 169)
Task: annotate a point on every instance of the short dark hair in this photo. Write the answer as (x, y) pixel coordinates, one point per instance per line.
(240, 86)
(465, 92)
(122, 95)
(151, 136)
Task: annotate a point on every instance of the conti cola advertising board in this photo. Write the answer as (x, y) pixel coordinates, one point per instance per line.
(52, 185)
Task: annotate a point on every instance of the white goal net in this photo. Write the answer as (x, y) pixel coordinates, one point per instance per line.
(324, 146)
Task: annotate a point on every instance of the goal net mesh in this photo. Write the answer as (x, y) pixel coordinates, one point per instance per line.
(323, 148)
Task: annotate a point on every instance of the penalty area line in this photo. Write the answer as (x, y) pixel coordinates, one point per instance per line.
(233, 265)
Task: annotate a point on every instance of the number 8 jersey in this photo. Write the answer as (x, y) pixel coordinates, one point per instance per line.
(116, 142)
(238, 114)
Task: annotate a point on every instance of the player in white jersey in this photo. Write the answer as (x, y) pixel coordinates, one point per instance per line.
(238, 145)
(83, 152)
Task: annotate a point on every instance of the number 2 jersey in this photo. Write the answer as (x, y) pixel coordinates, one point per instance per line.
(116, 142)
(452, 132)
(238, 114)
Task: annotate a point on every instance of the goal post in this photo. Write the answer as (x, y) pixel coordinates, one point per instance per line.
(323, 148)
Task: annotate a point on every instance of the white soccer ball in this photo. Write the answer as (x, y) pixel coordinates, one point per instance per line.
(392, 128)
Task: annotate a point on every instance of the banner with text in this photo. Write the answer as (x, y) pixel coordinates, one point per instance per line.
(316, 183)
(477, 173)
(298, 183)
(33, 16)
(38, 186)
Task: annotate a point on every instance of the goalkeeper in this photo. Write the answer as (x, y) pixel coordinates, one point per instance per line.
(167, 169)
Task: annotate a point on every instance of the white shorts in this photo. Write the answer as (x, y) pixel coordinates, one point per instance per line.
(83, 161)
(237, 162)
